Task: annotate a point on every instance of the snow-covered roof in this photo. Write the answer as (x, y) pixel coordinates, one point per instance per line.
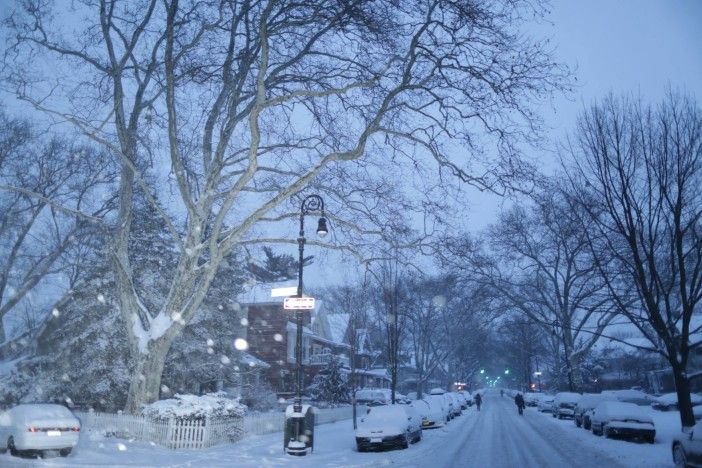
(338, 324)
(379, 372)
(252, 361)
(260, 293)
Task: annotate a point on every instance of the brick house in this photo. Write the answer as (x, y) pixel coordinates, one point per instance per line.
(271, 336)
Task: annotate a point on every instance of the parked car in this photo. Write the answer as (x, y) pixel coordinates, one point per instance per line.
(531, 399)
(545, 403)
(631, 396)
(378, 396)
(462, 400)
(38, 427)
(439, 402)
(388, 426)
(687, 448)
(433, 415)
(468, 397)
(564, 404)
(581, 413)
(456, 403)
(669, 401)
(625, 420)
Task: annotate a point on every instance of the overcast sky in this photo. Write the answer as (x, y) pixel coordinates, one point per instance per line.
(619, 46)
(622, 46)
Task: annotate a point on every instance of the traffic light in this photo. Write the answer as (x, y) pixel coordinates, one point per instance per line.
(482, 371)
(506, 371)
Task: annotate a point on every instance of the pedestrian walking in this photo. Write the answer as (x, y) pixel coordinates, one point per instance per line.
(519, 401)
(478, 400)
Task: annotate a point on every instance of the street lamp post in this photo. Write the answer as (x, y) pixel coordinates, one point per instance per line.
(311, 203)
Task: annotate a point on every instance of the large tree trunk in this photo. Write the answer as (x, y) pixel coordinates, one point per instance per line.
(682, 387)
(145, 384)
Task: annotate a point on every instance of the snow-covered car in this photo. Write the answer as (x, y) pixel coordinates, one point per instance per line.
(669, 401)
(388, 426)
(468, 397)
(437, 391)
(439, 402)
(631, 396)
(531, 399)
(545, 403)
(379, 396)
(369, 396)
(431, 411)
(456, 403)
(38, 427)
(687, 448)
(564, 404)
(581, 414)
(625, 420)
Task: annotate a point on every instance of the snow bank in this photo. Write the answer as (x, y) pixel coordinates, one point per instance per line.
(195, 407)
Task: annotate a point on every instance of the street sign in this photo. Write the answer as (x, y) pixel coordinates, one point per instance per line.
(284, 292)
(298, 303)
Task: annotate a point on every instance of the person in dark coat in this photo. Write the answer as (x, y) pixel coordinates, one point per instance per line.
(519, 401)
(478, 400)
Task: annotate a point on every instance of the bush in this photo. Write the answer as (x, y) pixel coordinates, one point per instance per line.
(216, 405)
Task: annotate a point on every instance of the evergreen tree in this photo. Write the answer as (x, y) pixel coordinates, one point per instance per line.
(330, 385)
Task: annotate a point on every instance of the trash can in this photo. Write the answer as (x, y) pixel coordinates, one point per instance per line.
(298, 436)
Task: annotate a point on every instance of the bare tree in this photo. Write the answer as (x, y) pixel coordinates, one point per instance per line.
(37, 237)
(539, 263)
(390, 314)
(249, 102)
(637, 172)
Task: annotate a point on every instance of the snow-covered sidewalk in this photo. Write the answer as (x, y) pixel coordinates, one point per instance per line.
(334, 446)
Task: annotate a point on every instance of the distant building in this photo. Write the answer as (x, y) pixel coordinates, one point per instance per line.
(271, 336)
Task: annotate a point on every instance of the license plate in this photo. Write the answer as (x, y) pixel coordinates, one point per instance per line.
(53, 433)
(376, 440)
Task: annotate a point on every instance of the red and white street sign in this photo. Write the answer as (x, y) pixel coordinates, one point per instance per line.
(298, 303)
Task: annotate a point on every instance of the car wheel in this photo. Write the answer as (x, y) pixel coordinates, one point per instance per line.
(578, 423)
(406, 441)
(651, 439)
(11, 446)
(595, 431)
(65, 452)
(607, 433)
(359, 447)
(679, 457)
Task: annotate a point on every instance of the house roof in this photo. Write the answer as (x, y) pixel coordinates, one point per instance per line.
(338, 324)
(260, 293)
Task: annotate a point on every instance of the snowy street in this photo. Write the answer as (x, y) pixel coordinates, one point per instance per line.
(494, 437)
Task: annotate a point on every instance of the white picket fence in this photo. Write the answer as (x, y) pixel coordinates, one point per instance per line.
(196, 434)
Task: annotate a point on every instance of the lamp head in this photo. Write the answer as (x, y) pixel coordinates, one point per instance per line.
(322, 227)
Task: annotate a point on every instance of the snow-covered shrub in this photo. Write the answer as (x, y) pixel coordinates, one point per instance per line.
(211, 405)
(258, 396)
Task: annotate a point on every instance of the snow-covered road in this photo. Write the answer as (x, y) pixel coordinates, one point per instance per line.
(494, 437)
(499, 437)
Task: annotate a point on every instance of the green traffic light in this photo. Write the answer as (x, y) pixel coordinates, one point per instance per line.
(506, 371)
(482, 371)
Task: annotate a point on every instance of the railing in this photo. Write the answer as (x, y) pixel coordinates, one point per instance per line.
(196, 434)
(324, 358)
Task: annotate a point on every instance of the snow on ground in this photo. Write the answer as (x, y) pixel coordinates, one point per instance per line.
(494, 437)
(634, 454)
